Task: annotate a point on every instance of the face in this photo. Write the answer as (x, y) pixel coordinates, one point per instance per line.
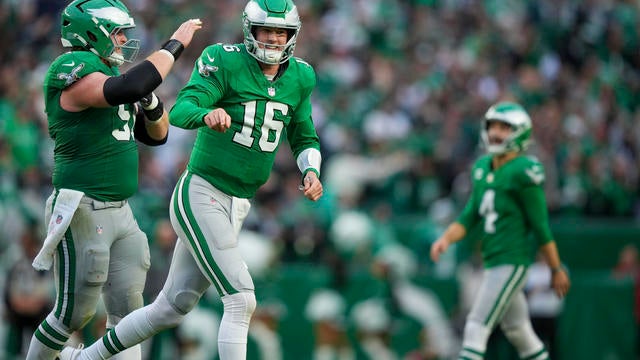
(498, 131)
(270, 35)
(119, 38)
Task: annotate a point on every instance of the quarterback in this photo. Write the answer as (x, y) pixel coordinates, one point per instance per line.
(508, 203)
(95, 115)
(242, 99)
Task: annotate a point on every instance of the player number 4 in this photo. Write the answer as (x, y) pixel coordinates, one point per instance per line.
(488, 211)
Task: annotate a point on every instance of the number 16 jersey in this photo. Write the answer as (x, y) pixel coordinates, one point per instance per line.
(239, 160)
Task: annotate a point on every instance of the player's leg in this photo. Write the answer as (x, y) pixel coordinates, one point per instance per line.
(516, 326)
(208, 221)
(80, 270)
(183, 288)
(130, 261)
(499, 284)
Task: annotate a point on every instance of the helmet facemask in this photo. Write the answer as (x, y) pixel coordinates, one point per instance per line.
(126, 52)
(94, 25)
(280, 14)
(517, 118)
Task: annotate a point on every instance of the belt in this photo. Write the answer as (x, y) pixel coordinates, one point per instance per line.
(99, 205)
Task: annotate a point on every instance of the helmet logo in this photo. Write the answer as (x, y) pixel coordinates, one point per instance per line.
(112, 14)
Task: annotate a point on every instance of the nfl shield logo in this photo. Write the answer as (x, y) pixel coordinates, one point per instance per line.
(59, 219)
(271, 91)
(99, 229)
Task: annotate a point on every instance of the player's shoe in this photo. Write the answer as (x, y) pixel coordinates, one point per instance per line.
(70, 353)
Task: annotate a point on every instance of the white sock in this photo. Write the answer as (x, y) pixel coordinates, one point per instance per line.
(132, 353)
(134, 329)
(51, 330)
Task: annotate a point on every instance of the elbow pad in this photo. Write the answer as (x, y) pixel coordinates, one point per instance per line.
(131, 86)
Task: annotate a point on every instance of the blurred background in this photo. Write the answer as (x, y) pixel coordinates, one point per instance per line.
(402, 86)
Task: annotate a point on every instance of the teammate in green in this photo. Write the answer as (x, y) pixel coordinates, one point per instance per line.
(243, 99)
(95, 116)
(508, 203)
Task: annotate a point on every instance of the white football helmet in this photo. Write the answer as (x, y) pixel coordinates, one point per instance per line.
(270, 13)
(514, 115)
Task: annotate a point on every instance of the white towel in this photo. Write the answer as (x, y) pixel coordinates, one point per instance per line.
(67, 202)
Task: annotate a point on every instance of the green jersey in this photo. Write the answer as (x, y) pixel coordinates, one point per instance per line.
(510, 204)
(95, 151)
(239, 160)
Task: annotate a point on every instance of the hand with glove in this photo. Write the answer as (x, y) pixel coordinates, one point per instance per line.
(152, 107)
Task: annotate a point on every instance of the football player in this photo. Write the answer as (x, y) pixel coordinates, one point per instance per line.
(242, 99)
(95, 116)
(508, 203)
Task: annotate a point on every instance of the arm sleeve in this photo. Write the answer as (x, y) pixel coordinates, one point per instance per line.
(535, 209)
(301, 132)
(469, 215)
(141, 134)
(188, 112)
(204, 89)
(132, 85)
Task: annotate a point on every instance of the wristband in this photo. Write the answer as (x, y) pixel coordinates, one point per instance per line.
(152, 107)
(556, 269)
(174, 47)
(149, 102)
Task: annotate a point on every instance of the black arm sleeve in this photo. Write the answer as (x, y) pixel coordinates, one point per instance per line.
(141, 134)
(132, 85)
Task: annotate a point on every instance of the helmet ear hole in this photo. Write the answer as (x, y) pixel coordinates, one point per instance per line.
(91, 36)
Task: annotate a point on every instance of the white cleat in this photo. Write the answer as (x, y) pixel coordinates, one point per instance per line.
(70, 353)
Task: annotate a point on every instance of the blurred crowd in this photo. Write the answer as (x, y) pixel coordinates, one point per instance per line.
(402, 86)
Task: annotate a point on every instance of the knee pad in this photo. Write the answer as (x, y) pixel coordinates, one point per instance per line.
(185, 300)
(523, 338)
(165, 314)
(238, 309)
(240, 305)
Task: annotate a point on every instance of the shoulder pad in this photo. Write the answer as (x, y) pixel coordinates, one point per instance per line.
(73, 66)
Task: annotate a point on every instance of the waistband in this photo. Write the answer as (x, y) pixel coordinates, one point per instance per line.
(99, 205)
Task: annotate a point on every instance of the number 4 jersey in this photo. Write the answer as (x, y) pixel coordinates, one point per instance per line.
(510, 205)
(95, 151)
(239, 160)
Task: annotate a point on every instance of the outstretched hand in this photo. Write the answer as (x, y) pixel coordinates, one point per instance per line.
(185, 32)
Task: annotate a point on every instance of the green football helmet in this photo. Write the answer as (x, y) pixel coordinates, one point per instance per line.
(270, 13)
(93, 25)
(514, 115)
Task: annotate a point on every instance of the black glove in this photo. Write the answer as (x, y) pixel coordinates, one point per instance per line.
(152, 107)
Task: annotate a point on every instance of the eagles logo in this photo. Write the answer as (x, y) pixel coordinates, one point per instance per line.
(206, 69)
(71, 77)
(536, 174)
